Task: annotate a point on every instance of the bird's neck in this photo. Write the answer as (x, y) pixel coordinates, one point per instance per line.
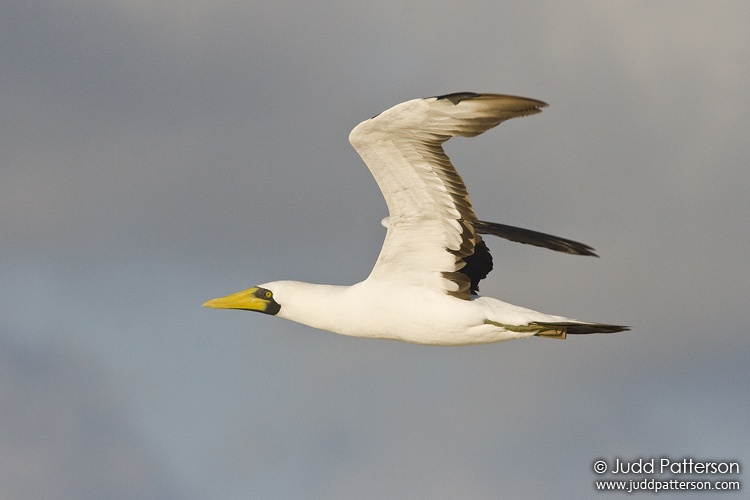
(318, 306)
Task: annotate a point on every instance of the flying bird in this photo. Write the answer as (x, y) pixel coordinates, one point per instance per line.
(424, 286)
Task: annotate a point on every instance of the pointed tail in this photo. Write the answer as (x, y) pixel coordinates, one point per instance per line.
(561, 330)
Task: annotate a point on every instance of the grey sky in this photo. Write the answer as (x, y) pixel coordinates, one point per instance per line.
(157, 154)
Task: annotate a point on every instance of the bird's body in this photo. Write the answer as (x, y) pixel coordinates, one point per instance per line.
(377, 309)
(424, 283)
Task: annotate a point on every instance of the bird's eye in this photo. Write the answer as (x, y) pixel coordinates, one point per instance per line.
(268, 294)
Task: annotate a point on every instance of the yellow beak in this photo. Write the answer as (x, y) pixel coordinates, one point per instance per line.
(252, 299)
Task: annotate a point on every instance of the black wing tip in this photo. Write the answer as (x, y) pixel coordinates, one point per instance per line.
(457, 97)
(582, 249)
(535, 238)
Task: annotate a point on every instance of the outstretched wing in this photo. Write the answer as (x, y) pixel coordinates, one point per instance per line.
(529, 237)
(431, 224)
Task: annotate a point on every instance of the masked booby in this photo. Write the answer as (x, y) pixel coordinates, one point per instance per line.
(423, 288)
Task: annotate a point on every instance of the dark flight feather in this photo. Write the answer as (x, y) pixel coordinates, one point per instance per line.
(529, 237)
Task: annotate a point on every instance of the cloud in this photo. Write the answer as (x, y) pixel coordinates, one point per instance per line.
(66, 435)
(524, 419)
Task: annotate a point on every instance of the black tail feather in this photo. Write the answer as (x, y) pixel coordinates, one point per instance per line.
(561, 329)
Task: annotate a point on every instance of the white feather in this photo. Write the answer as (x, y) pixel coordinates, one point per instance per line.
(430, 211)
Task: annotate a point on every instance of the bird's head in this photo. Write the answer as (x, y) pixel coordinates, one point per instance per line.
(258, 298)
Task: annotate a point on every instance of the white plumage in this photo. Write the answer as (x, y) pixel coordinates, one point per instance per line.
(422, 287)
